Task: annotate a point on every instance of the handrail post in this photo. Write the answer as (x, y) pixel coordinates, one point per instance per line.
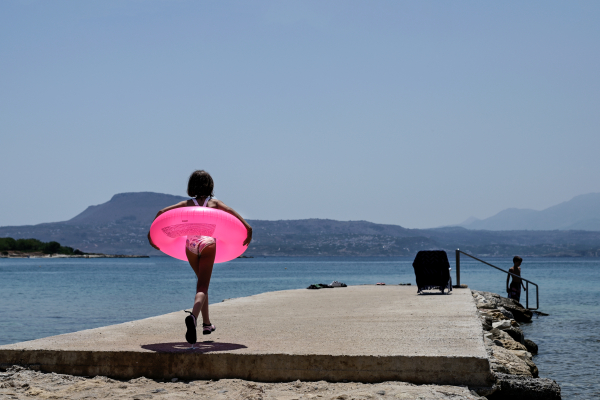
(458, 267)
(527, 294)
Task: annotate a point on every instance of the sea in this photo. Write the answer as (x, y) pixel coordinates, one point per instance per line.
(44, 297)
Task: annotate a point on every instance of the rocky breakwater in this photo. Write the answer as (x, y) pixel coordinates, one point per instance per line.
(510, 354)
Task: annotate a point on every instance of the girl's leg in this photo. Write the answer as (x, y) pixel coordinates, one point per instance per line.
(203, 267)
(204, 311)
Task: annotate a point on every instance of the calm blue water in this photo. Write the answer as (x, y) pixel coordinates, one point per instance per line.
(68, 295)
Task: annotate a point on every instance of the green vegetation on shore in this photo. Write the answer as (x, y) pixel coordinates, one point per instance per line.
(35, 246)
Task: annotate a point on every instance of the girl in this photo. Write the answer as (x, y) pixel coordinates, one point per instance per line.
(200, 250)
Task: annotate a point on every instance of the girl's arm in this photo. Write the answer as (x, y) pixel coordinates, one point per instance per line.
(222, 206)
(507, 279)
(164, 210)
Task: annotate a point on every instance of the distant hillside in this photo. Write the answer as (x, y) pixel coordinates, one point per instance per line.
(580, 213)
(120, 226)
(330, 227)
(139, 208)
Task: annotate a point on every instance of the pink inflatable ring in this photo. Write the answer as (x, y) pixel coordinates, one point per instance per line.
(169, 231)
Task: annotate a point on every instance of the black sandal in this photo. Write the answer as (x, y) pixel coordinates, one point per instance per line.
(190, 323)
(207, 329)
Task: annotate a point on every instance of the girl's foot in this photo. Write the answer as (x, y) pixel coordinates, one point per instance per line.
(207, 329)
(190, 323)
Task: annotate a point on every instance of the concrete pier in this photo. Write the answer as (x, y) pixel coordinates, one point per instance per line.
(359, 333)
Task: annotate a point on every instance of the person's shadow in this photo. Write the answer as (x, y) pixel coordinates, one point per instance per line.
(184, 347)
(434, 294)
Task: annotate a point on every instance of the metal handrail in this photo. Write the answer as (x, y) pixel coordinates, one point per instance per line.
(537, 289)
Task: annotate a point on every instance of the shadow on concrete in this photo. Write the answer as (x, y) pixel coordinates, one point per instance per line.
(433, 294)
(184, 347)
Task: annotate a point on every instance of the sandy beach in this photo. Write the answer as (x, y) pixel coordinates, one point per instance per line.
(20, 383)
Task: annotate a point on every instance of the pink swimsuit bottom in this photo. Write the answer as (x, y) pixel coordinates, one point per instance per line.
(196, 244)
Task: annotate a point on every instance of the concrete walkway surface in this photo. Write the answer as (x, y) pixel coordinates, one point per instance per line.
(358, 333)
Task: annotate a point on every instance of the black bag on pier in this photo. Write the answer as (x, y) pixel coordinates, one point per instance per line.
(432, 270)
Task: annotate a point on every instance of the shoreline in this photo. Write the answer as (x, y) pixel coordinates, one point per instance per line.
(551, 256)
(73, 256)
(259, 256)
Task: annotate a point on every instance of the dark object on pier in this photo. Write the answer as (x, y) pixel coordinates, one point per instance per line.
(319, 286)
(432, 271)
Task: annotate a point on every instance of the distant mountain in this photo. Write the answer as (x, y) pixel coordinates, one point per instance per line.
(316, 226)
(139, 208)
(580, 213)
(468, 221)
(120, 226)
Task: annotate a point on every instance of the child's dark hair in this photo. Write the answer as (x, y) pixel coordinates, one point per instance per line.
(200, 184)
(517, 259)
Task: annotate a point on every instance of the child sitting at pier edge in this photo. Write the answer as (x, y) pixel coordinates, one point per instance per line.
(514, 289)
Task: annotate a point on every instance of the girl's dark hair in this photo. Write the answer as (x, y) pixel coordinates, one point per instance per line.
(517, 259)
(200, 184)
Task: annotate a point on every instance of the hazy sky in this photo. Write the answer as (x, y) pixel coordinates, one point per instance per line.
(417, 113)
